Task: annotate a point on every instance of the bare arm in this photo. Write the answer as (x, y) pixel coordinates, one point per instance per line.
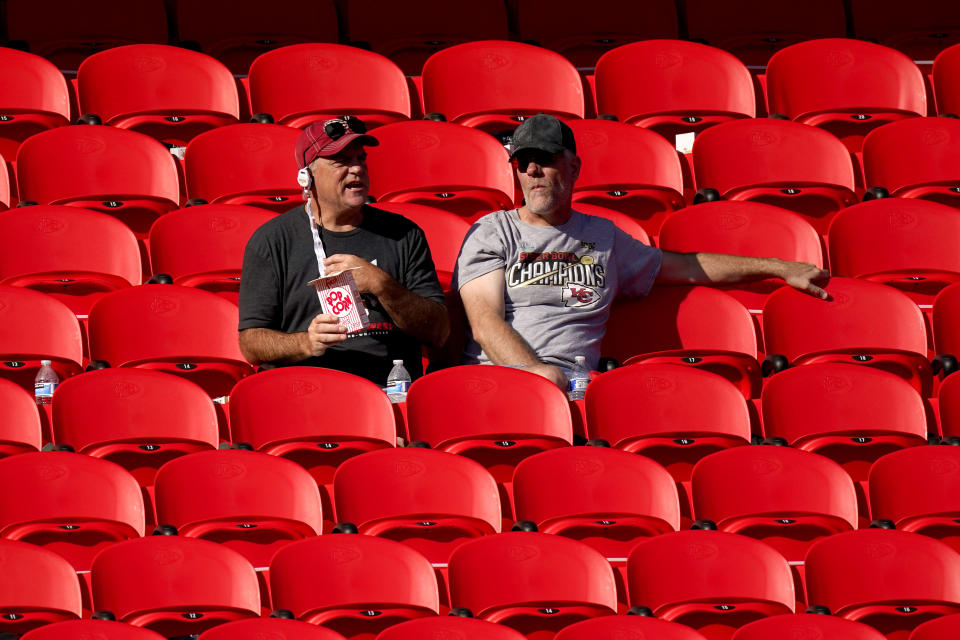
(483, 301)
(719, 268)
(260, 345)
(424, 319)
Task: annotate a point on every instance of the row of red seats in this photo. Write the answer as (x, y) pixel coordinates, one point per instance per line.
(536, 583)
(239, 30)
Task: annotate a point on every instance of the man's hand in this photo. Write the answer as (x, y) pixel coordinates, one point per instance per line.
(801, 275)
(324, 330)
(551, 373)
(369, 278)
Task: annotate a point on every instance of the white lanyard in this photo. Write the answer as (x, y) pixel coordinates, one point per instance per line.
(317, 245)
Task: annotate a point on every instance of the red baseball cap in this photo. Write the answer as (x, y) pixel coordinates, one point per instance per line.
(330, 137)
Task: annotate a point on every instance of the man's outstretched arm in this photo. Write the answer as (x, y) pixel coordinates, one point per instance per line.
(719, 268)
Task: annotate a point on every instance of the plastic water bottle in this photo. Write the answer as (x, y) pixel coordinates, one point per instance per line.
(398, 382)
(45, 382)
(579, 378)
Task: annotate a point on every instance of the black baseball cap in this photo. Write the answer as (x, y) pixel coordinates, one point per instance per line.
(544, 132)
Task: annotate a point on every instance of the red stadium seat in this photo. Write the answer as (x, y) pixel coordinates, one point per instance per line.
(744, 229)
(179, 330)
(582, 36)
(174, 586)
(442, 165)
(629, 170)
(915, 158)
(221, 229)
(673, 87)
(916, 489)
(74, 255)
(943, 628)
(754, 30)
(67, 32)
(851, 414)
(4, 186)
(806, 625)
(687, 414)
(693, 326)
(904, 243)
(444, 231)
(137, 418)
(20, 430)
(861, 322)
(453, 627)
(430, 500)
(709, 580)
(33, 97)
(35, 327)
(920, 29)
(282, 412)
(367, 585)
(99, 629)
(237, 31)
(946, 311)
(787, 164)
(949, 401)
(494, 84)
(890, 580)
(532, 582)
(168, 93)
(845, 86)
(782, 496)
(123, 173)
(272, 628)
(71, 504)
(946, 81)
(410, 32)
(39, 588)
(495, 415)
(261, 172)
(251, 502)
(304, 83)
(627, 627)
(630, 226)
(603, 497)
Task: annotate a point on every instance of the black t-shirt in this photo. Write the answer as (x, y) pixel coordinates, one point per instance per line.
(279, 261)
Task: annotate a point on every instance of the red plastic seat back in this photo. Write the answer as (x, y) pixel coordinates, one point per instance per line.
(166, 92)
(915, 158)
(151, 582)
(946, 80)
(914, 485)
(39, 586)
(409, 33)
(67, 32)
(583, 36)
(949, 397)
(454, 627)
(946, 311)
(237, 31)
(944, 628)
(244, 164)
(472, 82)
(659, 83)
(20, 432)
(853, 573)
(754, 31)
(492, 575)
(630, 226)
(806, 625)
(706, 568)
(101, 629)
(442, 165)
(304, 83)
(360, 572)
(273, 628)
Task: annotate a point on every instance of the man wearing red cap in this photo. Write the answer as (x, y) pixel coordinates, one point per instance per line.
(281, 318)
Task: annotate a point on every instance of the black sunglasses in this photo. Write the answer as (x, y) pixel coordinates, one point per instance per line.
(338, 127)
(539, 157)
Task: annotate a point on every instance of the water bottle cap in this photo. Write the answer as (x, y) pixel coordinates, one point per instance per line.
(398, 362)
(580, 359)
(45, 363)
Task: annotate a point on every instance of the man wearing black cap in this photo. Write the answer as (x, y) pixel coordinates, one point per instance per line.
(281, 319)
(537, 282)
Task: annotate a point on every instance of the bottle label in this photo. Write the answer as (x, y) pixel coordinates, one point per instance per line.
(579, 384)
(44, 389)
(399, 386)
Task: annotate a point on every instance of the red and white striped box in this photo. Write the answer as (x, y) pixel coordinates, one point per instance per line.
(339, 297)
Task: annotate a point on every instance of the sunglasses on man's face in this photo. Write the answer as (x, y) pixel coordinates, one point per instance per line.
(537, 156)
(338, 127)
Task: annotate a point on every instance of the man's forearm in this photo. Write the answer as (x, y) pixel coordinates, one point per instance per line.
(424, 319)
(502, 344)
(261, 345)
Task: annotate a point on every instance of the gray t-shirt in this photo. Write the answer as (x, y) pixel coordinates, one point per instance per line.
(560, 281)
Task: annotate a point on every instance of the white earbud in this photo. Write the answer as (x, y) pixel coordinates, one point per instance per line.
(305, 178)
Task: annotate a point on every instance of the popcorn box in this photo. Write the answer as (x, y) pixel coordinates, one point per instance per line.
(339, 297)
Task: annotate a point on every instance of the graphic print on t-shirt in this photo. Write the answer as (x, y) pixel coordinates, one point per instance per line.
(578, 279)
